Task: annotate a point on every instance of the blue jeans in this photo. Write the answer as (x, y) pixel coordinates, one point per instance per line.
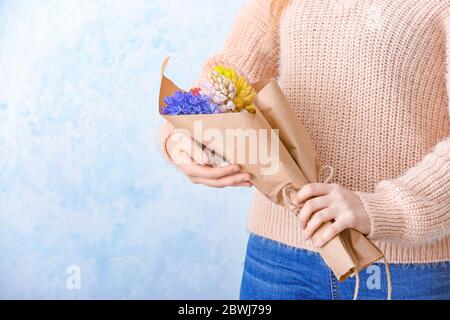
(274, 271)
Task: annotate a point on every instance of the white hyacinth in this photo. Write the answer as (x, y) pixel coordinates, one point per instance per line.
(221, 90)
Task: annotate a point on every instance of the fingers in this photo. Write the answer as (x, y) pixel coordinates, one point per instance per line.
(174, 146)
(229, 176)
(316, 222)
(244, 184)
(312, 206)
(181, 159)
(193, 161)
(209, 173)
(323, 203)
(330, 233)
(241, 179)
(180, 143)
(311, 191)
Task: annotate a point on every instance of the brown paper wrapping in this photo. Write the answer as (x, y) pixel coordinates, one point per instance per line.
(348, 253)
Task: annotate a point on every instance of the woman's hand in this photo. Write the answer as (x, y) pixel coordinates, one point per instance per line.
(324, 203)
(189, 157)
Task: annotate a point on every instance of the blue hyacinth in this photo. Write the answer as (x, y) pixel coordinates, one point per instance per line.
(189, 103)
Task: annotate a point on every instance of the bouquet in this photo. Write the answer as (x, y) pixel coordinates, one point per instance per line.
(234, 120)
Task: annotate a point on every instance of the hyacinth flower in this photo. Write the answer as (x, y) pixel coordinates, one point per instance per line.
(189, 103)
(233, 92)
(222, 97)
(221, 91)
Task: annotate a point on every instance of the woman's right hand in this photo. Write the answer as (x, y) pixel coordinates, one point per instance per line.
(189, 157)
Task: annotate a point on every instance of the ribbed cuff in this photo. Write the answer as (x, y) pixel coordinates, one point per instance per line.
(387, 222)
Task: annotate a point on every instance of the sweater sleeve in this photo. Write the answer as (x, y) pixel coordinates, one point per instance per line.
(416, 206)
(241, 51)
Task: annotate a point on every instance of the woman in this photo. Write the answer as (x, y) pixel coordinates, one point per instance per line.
(368, 78)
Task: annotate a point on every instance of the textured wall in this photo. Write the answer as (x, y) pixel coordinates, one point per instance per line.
(82, 181)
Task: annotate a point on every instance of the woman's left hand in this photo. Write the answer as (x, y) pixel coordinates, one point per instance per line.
(324, 203)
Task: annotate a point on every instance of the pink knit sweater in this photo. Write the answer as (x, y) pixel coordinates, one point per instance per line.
(369, 79)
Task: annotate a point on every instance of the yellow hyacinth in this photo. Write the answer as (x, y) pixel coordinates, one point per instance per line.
(244, 90)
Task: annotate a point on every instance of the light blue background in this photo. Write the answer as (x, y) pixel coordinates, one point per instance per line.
(82, 180)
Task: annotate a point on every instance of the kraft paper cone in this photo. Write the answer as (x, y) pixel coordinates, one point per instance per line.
(348, 253)
(275, 107)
